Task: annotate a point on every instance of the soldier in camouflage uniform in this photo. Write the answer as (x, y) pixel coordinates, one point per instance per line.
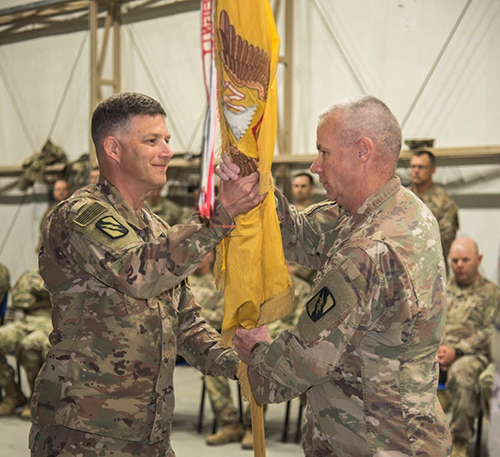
(4, 282)
(60, 192)
(121, 307)
(445, 210)
(302, 190)
(27, 337)
(218, 387)
(494, 439)
(485, 387)
(464, 353)
(365, 347)
(168, 210)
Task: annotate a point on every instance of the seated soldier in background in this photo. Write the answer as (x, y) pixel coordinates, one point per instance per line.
(94, 175)
(28, 337)
(485, 388)
(60, 192)
(494, 439)
(4, 282)
(464, 353)
(302, 189)
(487, 377)
(168, 210)
(219, 392)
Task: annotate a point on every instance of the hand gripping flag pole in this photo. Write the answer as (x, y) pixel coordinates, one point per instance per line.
(250, 261)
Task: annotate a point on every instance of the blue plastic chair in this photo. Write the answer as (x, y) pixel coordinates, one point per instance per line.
(3, 308)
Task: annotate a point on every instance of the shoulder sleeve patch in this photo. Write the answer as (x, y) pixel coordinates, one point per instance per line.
(338, 293)
(111, 227)
(320, 304)
(89, 214)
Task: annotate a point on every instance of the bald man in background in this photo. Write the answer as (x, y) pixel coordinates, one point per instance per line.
(464, 354)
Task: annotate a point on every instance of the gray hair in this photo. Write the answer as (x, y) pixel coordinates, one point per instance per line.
(368, 116)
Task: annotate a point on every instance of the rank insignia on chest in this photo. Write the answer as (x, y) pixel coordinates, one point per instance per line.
(111, 227)
(320, 304)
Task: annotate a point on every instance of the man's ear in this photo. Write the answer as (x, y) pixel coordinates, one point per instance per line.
(365, 149)
(112, 148)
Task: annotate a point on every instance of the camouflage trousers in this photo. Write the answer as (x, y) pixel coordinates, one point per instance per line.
(60, 441)
(221, 400)
(463, 387)
(28, 338)
(485, 387)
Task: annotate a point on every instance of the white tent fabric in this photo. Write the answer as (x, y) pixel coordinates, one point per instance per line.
(341, 49)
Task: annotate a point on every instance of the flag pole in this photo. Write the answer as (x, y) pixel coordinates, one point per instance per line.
(259, 439)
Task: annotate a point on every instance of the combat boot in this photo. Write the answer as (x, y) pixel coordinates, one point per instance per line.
(460, 448)
(12, 400)
(227, 434)
(247, 441)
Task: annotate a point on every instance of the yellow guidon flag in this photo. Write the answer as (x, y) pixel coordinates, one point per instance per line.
(251, 266)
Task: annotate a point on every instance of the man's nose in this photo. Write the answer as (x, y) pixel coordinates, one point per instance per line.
(315, 167)
(166, 150)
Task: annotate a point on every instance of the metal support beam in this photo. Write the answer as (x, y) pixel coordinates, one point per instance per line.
(99, 54)
(285, 118)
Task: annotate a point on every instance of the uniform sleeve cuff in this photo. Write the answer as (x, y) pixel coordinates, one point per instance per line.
(222, 220)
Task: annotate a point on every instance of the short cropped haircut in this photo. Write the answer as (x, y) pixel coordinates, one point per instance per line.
(421, 152)
(116, 111)
(368, 116)
(307, 175)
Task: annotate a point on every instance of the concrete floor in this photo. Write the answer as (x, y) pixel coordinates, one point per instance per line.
(185, 440)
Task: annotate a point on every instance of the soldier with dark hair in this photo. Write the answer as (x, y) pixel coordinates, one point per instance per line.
(121, 306)
(364, 349)
(302, 189)
(442, 206)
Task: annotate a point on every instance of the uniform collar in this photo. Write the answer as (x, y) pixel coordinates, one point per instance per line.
(428, 191)
(477, 284)
(376, 199)
(113, 195)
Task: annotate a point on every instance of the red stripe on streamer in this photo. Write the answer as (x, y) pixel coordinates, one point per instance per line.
(207, 175)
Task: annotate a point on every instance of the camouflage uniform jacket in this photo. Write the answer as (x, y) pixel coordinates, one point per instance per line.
(365, 347)
(30, 295)
(469, 316)
(168, 210)
(301, 290)
(210, 299)
(121, 311)
(445, 210)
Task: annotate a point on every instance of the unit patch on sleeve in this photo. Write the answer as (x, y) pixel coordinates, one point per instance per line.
(320, 304)
(111, 227)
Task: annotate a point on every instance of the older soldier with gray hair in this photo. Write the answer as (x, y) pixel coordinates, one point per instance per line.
(121, 306)
(465, 352)
(365, 347)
